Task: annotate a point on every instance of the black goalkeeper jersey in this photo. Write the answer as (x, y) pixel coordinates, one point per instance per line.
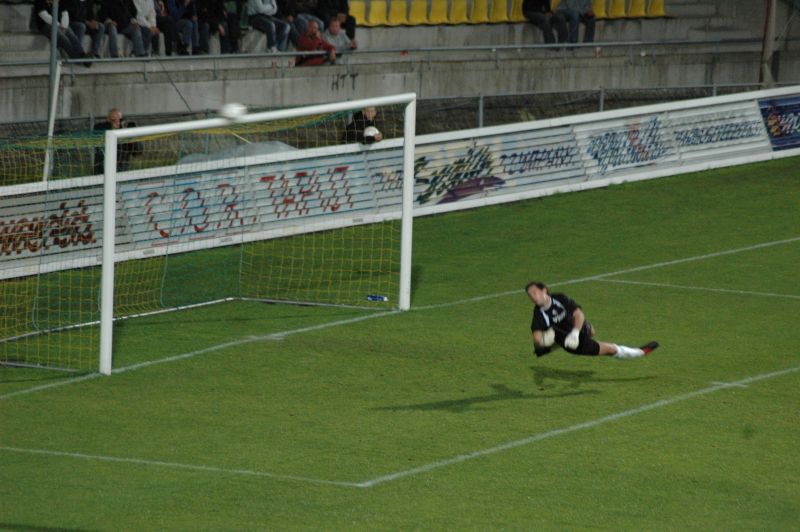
(558, 315)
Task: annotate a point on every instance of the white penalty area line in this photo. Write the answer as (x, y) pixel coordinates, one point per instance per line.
(573, 428)
(175, 465)
(420, 469)
(283, 334)
(702, 288)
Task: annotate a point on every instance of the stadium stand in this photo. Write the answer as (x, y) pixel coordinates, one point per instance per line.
(506, 64)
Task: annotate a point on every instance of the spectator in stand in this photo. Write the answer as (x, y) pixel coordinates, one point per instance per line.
(328, 9)
(213, 18)
(83, 21)
(574, 12)
(540, 14)
(119, 16)
(146, 20)
(312, 41)
(66, 39)
(363, 127)
(337, 37)
(298, 13)
(166, 26)
(184, 14)
(125, 150)
(263, 16)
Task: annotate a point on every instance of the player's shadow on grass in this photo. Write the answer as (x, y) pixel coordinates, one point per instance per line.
(501, 393)
(575, 379)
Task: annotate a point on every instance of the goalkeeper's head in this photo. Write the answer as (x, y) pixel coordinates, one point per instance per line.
(538, 292)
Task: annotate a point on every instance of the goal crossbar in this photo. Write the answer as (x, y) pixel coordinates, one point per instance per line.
(114, 136)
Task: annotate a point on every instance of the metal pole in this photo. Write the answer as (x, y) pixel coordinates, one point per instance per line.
(407, 221)
(51, 125)
(54, 75)
(768, 47)
(480, 110)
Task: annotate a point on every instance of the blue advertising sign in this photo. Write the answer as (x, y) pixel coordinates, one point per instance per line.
(782, 119)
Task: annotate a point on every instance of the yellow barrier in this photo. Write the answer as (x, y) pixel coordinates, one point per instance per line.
(599, 8)
(636, 9)
(358, 10)
(499, 11)
(458, 12)
(377, 13)
(616, 9)
(656, 9)
(516, 11)
(398, 13)
(438, 14)
(418, 14)
(479, 14)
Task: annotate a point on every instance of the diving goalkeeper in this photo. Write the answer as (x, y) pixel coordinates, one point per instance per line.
(557, 319)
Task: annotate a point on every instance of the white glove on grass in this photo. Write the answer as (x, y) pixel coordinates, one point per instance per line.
(572, 340)
(548, 337)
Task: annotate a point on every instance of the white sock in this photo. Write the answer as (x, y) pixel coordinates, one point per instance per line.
(628, 352)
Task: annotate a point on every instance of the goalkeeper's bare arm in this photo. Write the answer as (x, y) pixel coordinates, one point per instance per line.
(557, 319)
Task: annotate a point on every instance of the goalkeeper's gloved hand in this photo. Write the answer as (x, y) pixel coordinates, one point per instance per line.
(548, 337)
(572, 340)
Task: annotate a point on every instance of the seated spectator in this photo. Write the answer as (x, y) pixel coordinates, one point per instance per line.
(184, 15)
(212, 17)
(119, 16)
(540, 14)
(146, 20)
(66, 39)
(298, 13)
(125, 150)
(575, 11)
(166, 26)
(312, 41)
(328, 9)
(337, 37)
(83, 21)
(363, 128)
(263, 16)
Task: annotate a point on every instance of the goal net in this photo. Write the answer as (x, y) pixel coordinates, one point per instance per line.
(288, 206)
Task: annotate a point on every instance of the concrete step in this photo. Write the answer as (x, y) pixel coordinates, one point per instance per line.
(14, 17)
(720, 34)
(23, 42)
(691, 9)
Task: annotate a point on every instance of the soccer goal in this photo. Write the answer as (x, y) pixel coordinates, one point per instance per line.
(277, 206)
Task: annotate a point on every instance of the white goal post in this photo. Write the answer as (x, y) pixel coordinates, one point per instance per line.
(110, 193)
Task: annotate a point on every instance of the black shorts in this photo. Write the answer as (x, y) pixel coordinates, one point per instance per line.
(586, 344)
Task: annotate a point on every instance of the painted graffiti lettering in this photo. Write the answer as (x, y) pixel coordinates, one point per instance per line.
(698, 136)
(68, 228)
(539, 159)
(476, 164)
(636, 144)
(298, 193)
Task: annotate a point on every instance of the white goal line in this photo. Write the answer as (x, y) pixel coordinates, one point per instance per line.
(283, 334)
(702, 288)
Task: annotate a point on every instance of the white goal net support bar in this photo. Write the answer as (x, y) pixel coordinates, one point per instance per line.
(317, 214)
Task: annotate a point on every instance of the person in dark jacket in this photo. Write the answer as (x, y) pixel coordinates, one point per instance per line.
(125, 150)
(212, 17)
(298, 13)
(66, 38)
(328, 9)
(119, 16)
(363, 127)
(83, 21)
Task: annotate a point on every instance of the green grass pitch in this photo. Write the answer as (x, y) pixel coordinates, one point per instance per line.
(248, 416)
